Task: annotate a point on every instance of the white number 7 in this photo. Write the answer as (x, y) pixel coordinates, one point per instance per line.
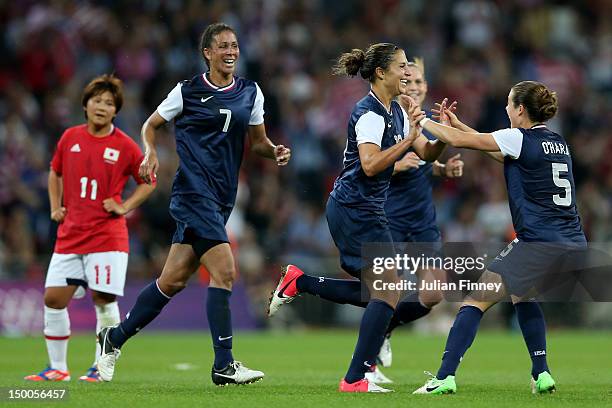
(563, 183)
(228, 116)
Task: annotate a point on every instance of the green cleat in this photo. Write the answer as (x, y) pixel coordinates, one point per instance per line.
(438, 387)
(543, 384)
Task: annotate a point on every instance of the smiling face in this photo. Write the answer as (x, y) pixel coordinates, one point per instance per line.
(416, 86)
(395, 78)
(223, 53)
(101, 109)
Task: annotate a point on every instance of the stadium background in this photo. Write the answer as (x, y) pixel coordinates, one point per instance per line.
(474, 51)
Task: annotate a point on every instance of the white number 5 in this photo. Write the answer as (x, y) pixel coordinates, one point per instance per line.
(228, 116)
(563, 183)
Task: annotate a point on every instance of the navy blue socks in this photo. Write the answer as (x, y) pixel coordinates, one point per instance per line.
(336, 290)
(149, 304)
(531, 320)
(220, 322)
(408, 310)
(460, 338)
(374, 323)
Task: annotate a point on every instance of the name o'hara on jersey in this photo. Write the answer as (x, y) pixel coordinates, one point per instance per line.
(555, 148)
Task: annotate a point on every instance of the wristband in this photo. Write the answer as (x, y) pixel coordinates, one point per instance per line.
(423, 121)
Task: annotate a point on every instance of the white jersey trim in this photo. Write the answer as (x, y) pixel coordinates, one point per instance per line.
(370, 128)
(509, 141)
(257, 112)
(172, 106)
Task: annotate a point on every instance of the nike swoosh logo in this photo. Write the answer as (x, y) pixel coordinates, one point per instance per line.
(365, 363)
(282, 291)
(224, 338)
(204, 100)
(431, 389)
(225, 375)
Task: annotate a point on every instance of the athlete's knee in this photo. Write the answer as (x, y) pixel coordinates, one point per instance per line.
(430, 298)
(223, 276)
(54, 301)
(102, 298)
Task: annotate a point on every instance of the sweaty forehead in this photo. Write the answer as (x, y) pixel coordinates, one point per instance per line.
(225, 37)
(400, 57)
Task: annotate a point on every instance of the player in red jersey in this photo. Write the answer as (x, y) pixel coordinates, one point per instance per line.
(89, 170)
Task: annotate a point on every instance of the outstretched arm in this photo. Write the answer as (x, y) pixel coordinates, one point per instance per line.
(447, 116)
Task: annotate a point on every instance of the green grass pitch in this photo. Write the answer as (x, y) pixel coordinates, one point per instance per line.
(304, 368)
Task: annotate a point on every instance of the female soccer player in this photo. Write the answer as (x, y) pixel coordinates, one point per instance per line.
(412, 217)
(378, 135)
(212, 113)
(538, 171)
(89, 170)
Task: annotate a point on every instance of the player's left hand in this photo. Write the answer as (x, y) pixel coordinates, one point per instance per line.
(454, 166)
(111, 206)
(282, 155)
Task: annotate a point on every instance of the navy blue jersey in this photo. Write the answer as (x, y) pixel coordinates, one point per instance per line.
(541, 190)
(409, 204)
(370, 122)
(210, 128)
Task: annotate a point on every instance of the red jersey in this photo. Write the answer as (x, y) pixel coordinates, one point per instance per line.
(92, 170)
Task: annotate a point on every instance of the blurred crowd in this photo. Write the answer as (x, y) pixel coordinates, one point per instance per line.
(474, 50)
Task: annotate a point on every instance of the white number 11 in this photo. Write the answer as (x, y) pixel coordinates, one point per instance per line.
(94, 188)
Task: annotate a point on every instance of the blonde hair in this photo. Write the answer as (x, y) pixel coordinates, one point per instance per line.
(419, 63)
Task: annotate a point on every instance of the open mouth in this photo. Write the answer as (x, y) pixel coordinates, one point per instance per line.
(229, 62)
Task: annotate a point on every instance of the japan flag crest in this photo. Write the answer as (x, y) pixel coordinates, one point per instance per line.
(111, 155)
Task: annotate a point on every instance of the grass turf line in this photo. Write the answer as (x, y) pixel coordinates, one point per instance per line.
(304, 368)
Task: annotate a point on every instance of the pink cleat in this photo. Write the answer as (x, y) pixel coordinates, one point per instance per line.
(286, 290)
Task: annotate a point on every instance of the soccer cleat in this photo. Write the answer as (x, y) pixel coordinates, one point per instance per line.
(435, 386)
(385, 355)
(363, 385)
(376, 376)
(235, 373)
(286, 290)
(108, 355)
(92, 375)
(49, 374)
(543, 384)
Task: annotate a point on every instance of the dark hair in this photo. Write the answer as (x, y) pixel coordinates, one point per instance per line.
(101, 84)
(209, 34)
(365, 63)
(539, 101)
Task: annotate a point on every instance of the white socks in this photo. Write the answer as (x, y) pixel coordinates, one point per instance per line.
(57, 333)
(107, 315)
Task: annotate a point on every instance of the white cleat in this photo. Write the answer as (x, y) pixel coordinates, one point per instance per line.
(385, 355)
(108, 356)
(377, 376)
(235, 373)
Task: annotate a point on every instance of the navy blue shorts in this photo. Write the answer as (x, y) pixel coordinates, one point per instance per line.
(198, 217)
(527, 267)
(428, 241)
(351, 228)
